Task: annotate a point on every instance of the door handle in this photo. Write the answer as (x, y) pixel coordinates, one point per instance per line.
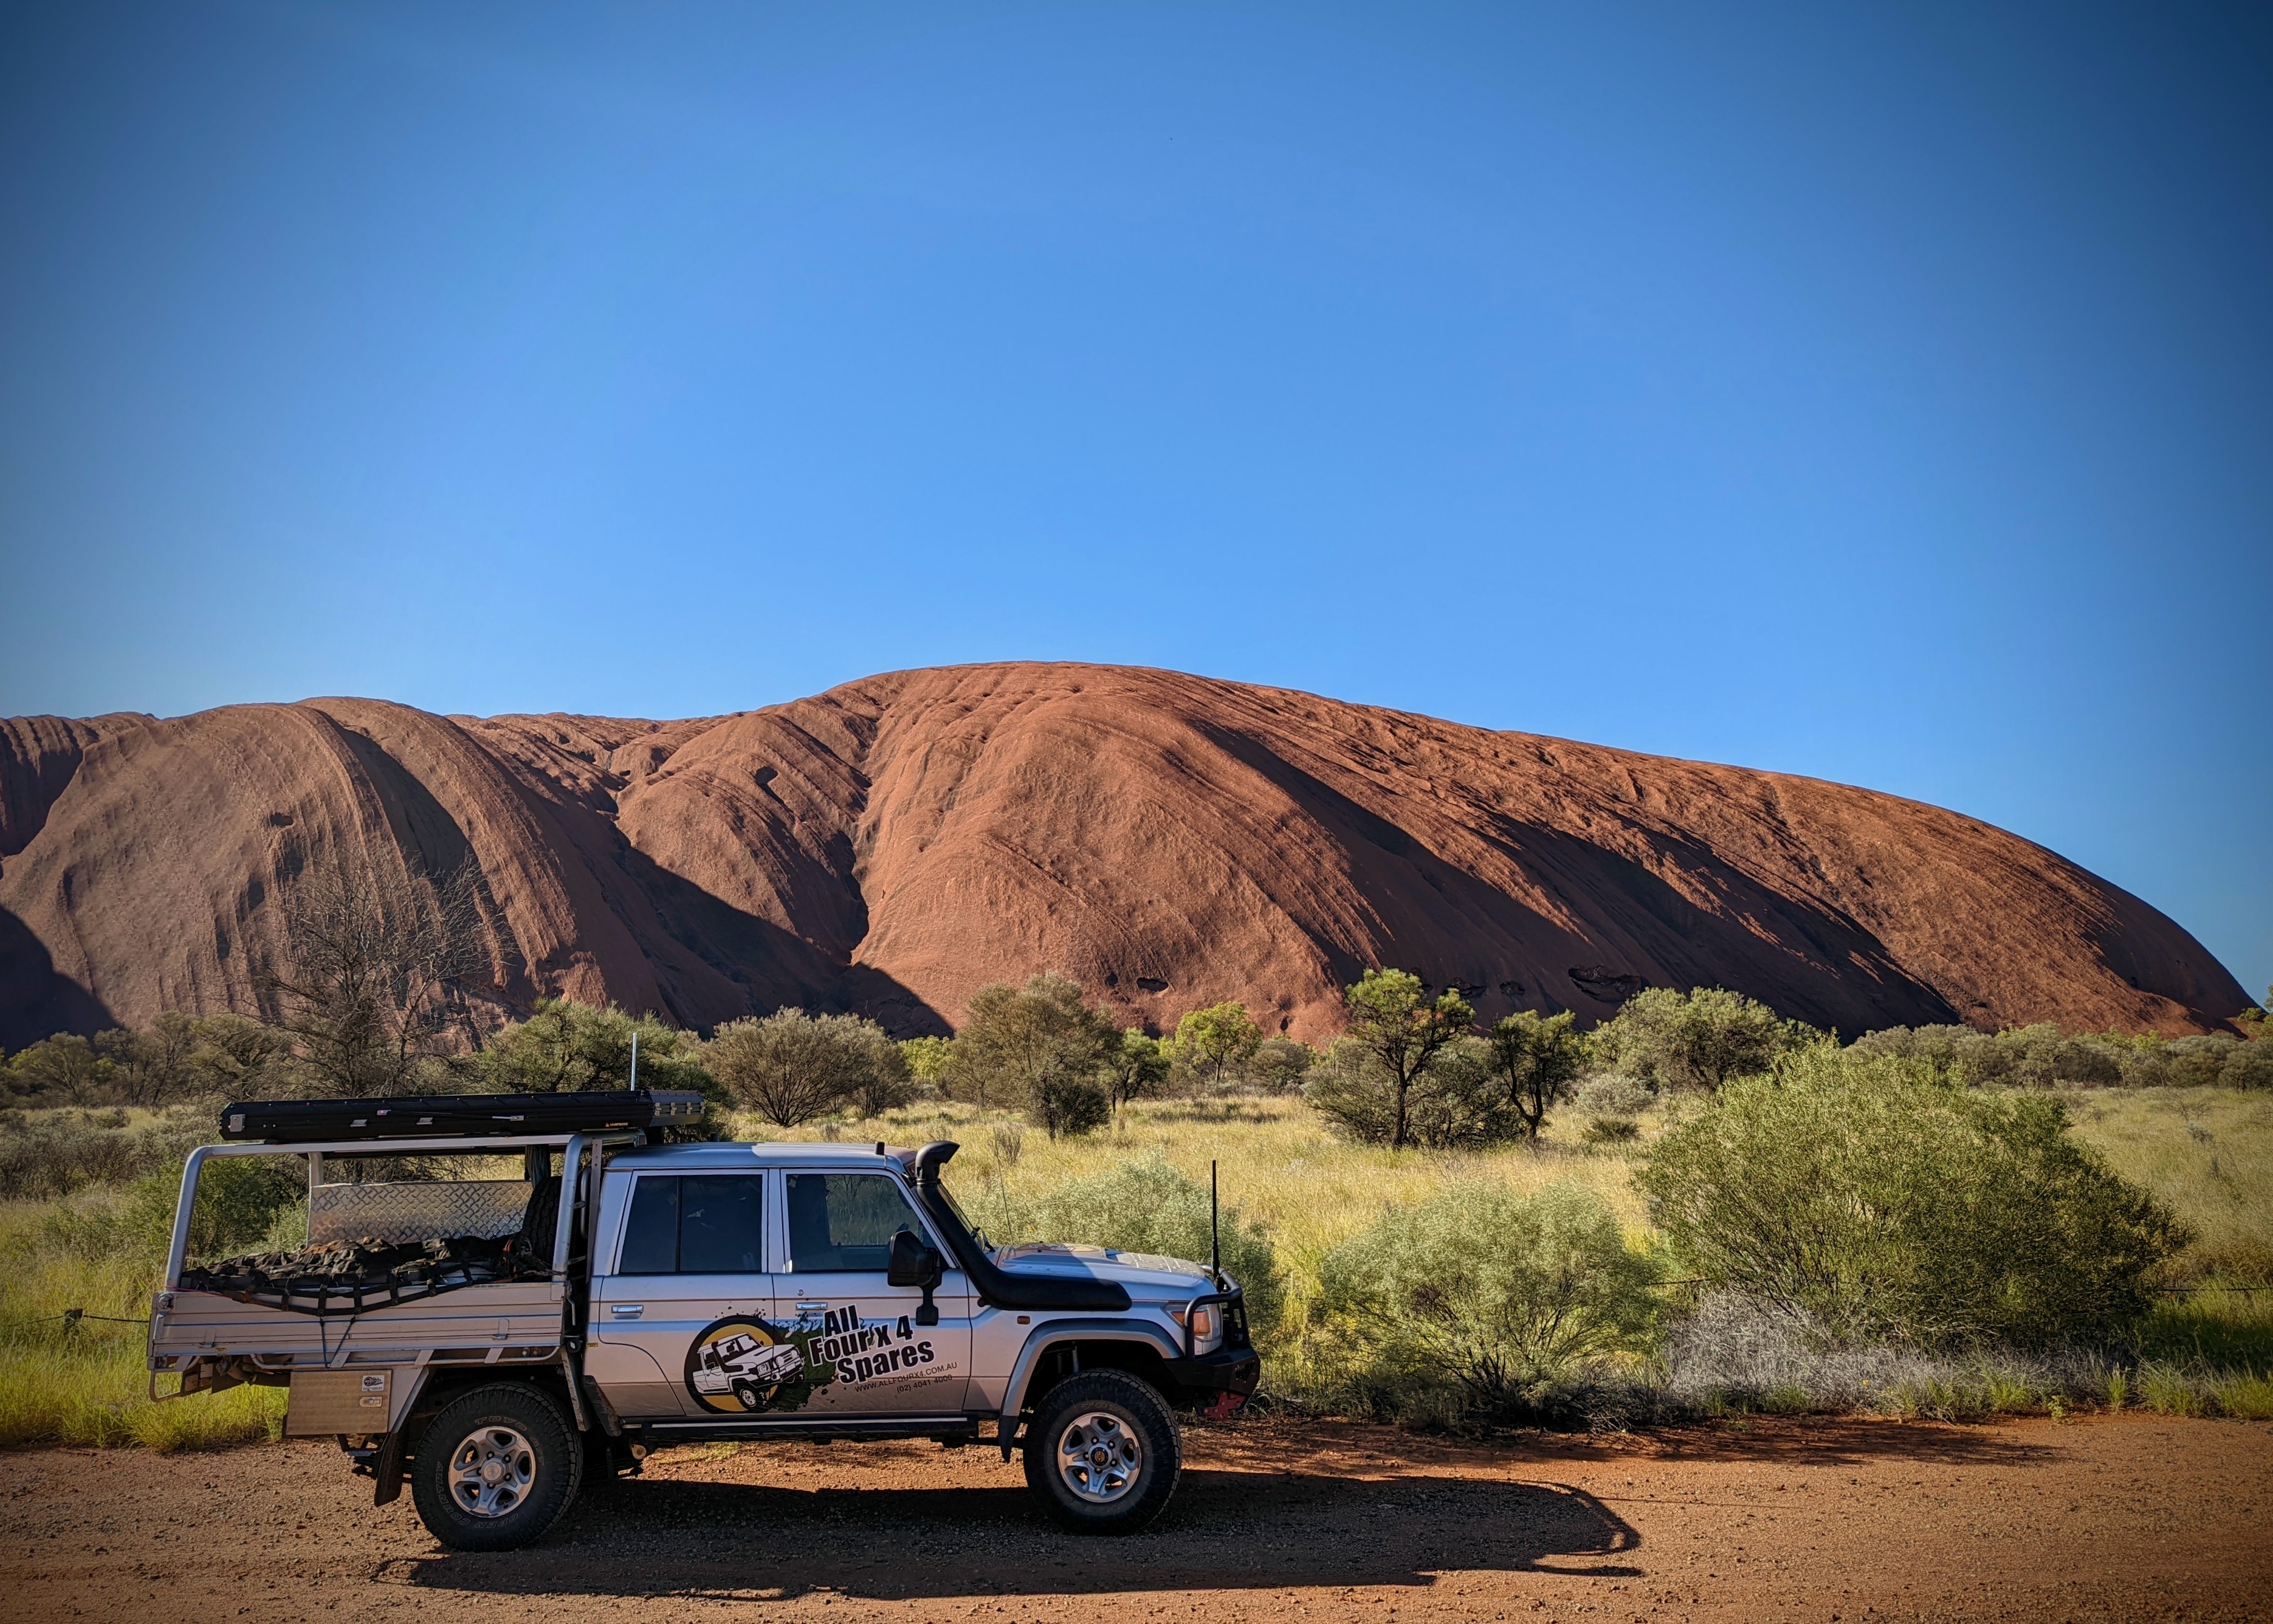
(815, 1308)
(627, 1311)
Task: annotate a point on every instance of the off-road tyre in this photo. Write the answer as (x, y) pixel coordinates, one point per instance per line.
(1129, 1430)
(524, 1431)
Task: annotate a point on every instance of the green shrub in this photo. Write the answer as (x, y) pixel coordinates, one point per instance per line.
(1490, 1293)
(568, 1046)
(1041, 1047)
(2041, 1056)
(1700, 1039)
(1148, 1206)
(1884, 1206)
(1281, 1064)
(238, 1199)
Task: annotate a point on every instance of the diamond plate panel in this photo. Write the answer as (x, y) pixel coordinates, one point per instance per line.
(489, 1209)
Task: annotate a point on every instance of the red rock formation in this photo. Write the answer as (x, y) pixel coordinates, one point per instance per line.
(1166, 840)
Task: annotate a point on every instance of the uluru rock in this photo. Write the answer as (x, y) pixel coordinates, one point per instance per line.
(894, 844)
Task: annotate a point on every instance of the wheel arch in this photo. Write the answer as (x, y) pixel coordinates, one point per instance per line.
(1062, 1346)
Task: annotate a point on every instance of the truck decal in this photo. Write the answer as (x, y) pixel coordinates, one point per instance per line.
(739, 1364)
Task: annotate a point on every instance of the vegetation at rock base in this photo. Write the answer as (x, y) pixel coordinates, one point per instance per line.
(1216, 1042)
(1400, 1048)
(566, 1047)
(1575, 1229)
(1040, 1047)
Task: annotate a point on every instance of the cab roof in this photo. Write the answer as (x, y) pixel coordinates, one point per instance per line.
(720, 1154)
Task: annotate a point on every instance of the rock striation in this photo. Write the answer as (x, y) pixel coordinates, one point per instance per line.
(894, 844)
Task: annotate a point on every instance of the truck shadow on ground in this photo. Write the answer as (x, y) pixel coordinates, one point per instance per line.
(1812, 1440)
(1226, 1530)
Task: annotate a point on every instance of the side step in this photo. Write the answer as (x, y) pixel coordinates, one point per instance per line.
(815, 1429)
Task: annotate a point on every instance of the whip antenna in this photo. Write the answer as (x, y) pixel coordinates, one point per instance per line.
(634, 1059)
(1215, 1232)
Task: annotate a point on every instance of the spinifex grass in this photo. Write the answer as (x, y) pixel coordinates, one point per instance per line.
(81, 1380)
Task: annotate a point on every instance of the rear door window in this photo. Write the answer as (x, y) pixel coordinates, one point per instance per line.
(695, 1223)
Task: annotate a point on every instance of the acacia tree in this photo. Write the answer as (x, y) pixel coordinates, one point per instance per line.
(1403, 1031)
(567, 1046)
(1217, 1040)
(1136, 1068)
(790, 1067)
(376, 964)
(1536, 1058)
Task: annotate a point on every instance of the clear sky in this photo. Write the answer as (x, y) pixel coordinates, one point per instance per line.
(1884, 394)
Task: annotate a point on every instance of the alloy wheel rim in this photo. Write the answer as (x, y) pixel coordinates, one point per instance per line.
(1099, 1457)
(493, 1471)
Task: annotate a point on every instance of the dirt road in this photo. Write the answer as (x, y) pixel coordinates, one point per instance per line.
(1845, 1520)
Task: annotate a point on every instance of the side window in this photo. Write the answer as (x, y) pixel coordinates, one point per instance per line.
(844, 1221)
(709, 1224)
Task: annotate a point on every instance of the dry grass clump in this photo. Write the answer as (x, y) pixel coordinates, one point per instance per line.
(82, 1381)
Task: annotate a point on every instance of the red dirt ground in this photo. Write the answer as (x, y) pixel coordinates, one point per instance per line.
(1847, 1521)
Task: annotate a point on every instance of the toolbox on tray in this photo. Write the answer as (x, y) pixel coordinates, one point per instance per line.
(290, 1122)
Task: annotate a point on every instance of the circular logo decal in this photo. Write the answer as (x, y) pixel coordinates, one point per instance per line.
(739, 1365)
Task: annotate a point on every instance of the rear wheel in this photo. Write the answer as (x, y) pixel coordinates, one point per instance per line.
(1103, 1453)
(495, 1469)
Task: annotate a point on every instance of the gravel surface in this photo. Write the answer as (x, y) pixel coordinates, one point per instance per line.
(1848, 1521)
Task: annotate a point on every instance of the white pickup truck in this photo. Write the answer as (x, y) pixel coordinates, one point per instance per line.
(625, 1294)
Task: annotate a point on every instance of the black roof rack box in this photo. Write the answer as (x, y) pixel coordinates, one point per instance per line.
(456, 1116)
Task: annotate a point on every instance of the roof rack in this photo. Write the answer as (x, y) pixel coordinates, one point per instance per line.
(454, 1116)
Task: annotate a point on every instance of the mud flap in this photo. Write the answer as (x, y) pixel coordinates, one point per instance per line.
(386, 1469)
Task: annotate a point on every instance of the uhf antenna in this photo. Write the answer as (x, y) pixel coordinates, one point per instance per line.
(634, 1059)
(1215, 1232)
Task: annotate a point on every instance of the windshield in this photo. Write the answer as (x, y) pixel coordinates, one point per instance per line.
(956, 1206)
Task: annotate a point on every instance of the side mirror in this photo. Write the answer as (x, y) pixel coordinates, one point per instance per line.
(913, 1261)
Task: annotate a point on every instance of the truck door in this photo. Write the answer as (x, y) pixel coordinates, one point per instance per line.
(683, 1323)
(865, 1344)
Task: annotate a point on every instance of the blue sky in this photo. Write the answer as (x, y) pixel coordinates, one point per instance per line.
(1880, 394)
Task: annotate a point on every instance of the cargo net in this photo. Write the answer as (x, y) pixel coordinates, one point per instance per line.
(338, 1274)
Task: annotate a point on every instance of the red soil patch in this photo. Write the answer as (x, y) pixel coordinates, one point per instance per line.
(1848, 1521)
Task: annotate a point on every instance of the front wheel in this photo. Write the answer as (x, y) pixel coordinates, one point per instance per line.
(495, 1469)
(1103, 1453)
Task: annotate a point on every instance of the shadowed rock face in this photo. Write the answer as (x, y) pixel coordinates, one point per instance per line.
(894, 844)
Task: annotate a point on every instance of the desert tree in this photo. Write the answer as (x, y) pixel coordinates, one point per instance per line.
(1698, 1039)
(565, 1046)
(375, 973)
(1279, 1065)
(1399, 1031)
(790, 1067)
(1136, 1067)
(1217, 1041)
(1536, 1060)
